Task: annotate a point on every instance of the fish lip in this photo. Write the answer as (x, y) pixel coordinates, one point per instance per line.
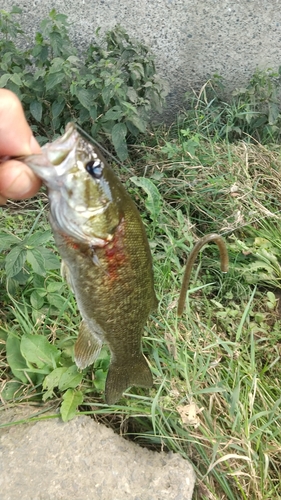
(55, 159)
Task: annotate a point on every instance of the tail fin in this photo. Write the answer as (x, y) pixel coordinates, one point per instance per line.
(122, 375)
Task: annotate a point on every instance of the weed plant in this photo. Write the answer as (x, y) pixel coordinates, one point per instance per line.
(110, 89)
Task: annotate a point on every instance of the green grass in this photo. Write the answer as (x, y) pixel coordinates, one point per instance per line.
(216, 397)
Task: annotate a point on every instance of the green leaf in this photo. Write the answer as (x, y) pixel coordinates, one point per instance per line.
(70, 378)
(51, 260)
(38, 351)
(99, 380)
(15, 261)
(7, 240)
(106, 95)
(4, 79)
(52, 380)
(22, 277)
(57, 108)
(11, 390)
(273, 113)
(85, 98)
(16, 10)
(71, 400)
(36, 260)
(153, 202)
(36, 300)
(36, 110)
(114, 113)
(132, 94)
(55, 287)
(56, 300)
(39, 238)
(15, 359)
(53, 79)
(118, 134)
(57, 65)
(138, 123)
(16, 79)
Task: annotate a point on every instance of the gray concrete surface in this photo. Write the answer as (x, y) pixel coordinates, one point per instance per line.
(192, 39)
(84, 460)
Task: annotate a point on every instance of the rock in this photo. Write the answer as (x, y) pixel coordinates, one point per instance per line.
(84, 460)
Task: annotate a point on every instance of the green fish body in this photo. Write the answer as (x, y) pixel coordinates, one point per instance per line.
(106, 257)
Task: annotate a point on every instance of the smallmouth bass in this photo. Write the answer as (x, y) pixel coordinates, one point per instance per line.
(106, 257)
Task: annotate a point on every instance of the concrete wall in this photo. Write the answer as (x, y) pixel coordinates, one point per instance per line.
(192, 39)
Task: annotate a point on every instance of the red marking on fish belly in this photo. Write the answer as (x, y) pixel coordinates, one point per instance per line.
(115, 252)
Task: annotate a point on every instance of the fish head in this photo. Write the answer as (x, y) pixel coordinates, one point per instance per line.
(81, 191)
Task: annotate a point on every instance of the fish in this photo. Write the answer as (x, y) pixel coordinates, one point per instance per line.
(106, 258)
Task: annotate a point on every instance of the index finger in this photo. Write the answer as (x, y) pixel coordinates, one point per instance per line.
(16, 137)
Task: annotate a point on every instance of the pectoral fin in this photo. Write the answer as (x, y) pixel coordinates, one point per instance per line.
(122, 375)
(87, 347)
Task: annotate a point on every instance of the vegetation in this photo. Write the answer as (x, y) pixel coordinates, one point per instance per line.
(110, 89)
(216, 397)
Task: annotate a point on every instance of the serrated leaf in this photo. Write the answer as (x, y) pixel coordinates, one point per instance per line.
(106, 95)
(132, 94)
(113, 113)
(36, 110)
(7, 240)
(153, 202)
(15, 359)
(39, 238)
(118, 134)
(15, 261)
(53, 79)
(36, 260)
(138, 123)
(71, 400)
(85, 98)
(57, 108)
(57, 65)
(52, 261)
(22, 277)
(38, 351)
(70, 378)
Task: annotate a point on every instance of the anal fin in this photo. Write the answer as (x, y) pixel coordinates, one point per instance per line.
(87, 347)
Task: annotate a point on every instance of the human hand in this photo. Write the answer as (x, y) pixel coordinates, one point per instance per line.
(17, 181)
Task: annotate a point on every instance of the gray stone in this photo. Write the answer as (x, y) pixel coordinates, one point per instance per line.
(84, 460)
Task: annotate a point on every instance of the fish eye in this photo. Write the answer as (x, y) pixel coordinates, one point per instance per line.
(94, 168)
